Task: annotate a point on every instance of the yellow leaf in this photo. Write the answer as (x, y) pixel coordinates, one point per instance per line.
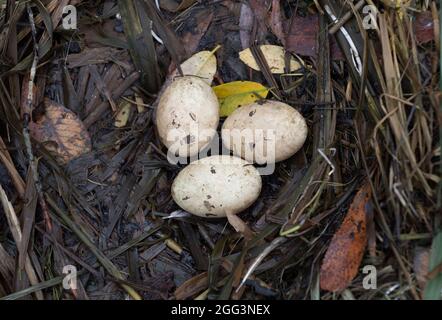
(123, 115)
(275, 57)
(141, 107)
(238, 93)
(202, 64)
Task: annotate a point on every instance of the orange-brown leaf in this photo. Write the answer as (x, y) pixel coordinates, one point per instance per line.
(62, 132)
(344, 255)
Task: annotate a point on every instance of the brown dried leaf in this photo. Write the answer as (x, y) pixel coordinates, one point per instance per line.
(245, 25)
(191, 39)
(302, 38)
(192, 286)
(276, 21)
(424, 27)
(175, 6)
(239, 225)
(62, 132)
(344, 255)
(260, 10)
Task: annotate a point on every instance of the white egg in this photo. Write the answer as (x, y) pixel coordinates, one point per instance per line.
(266, 131)
(187, 116)
(212, 186)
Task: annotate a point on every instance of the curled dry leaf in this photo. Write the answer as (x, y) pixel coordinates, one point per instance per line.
(202, 64)
(234, 94)
(275, 56)
(301, 37)
(344, 255)
(62, 133)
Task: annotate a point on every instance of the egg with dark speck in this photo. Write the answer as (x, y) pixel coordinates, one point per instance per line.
(187, 116)
(214, 186)
(266, 131)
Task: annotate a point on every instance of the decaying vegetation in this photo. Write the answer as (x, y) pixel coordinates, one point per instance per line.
(85, 180)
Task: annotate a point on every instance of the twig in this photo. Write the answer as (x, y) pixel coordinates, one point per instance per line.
(353, 50)
(14, 225)
(17, 180)
(26, 120)
(274, 244)
(265, 69)
(347, 16)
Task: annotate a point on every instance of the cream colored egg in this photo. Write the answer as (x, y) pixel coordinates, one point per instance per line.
(212, 186)
(187, 116)
(266, 131)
